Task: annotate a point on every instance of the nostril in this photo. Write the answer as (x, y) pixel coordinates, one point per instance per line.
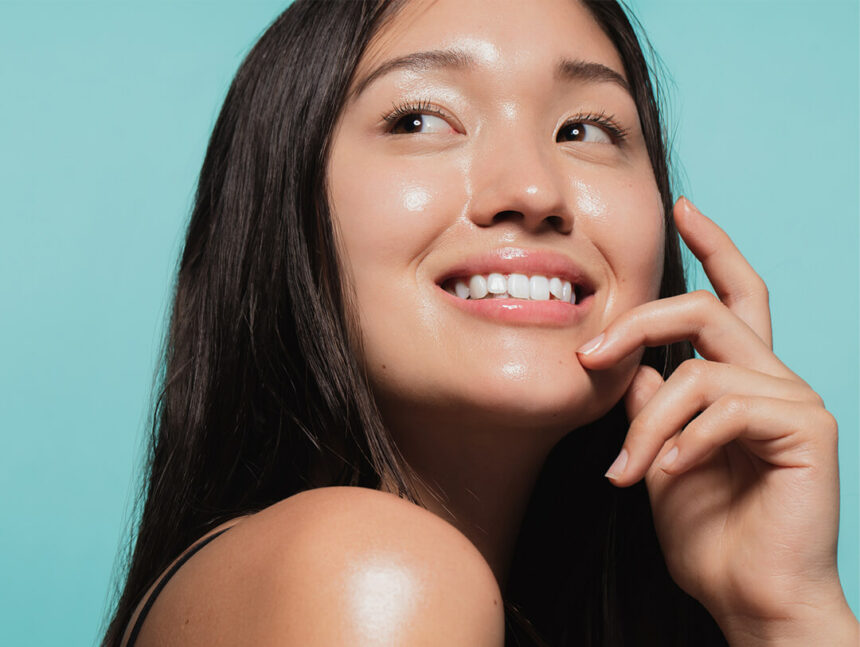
(556, 221)
(506, 215)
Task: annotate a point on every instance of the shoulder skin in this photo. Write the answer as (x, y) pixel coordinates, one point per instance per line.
(328, 567)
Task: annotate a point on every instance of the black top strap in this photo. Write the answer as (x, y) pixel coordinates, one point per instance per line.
(170, 573)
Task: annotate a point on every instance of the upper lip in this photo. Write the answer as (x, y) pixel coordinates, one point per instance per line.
(520, 260)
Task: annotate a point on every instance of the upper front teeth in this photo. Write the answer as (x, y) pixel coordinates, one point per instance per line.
(517, 286)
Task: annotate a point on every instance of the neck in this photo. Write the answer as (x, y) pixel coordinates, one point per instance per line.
(482, 480)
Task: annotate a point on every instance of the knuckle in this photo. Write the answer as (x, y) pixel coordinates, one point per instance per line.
(732, 405)
(693, 369)
(642, 386)
(760, 288)
(754, 289)
(708, 307)
(828, 424)
(815, 399)
(704, 299)
(694, 378)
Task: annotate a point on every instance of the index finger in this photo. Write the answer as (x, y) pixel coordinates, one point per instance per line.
(736, 283)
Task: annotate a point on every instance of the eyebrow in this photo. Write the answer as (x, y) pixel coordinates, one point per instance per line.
(455, 59)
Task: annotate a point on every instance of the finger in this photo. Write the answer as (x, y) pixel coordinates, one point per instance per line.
(736, 283)
(782, 433)
(699, 317)
(645, 384)
(695, 386)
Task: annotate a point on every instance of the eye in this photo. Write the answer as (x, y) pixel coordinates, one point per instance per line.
(597, 128)
(417, 122)
(578, 131)
(417, 117)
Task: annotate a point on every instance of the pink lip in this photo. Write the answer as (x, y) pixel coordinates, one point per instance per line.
(520, 311)
(509, 260)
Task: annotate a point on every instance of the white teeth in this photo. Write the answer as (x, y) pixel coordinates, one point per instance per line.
(497, 284)
(539, 288)
(478, 287)
(555, 287)
(518, 286)
(567, 292)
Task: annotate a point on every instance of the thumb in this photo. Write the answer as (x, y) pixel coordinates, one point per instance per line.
(643, 387)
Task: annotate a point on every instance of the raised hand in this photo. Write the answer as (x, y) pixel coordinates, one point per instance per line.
(738, 453)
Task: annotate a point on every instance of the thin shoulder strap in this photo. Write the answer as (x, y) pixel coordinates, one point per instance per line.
(170, 573)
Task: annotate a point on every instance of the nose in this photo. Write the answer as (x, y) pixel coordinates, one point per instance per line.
(519, 183)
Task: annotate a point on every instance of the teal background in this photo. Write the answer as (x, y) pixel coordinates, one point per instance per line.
(105, 109)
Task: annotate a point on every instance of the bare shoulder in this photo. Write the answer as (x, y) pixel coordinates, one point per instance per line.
(332, 566)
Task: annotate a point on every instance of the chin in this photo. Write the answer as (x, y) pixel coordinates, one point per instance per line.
(550, 397)
(546, 397)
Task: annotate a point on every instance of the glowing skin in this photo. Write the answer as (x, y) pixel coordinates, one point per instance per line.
(465, 394)
(745, 500)
(383, 597)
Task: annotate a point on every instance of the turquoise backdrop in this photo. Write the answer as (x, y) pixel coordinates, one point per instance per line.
(105, 109)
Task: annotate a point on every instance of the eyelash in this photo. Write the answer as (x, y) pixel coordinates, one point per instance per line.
(402, 109)
(608, 122)
(605, 121)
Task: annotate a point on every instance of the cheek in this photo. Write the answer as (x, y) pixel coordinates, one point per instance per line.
(626, 224)
(388, 214)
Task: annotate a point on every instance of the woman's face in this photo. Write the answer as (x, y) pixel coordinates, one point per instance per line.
(493, 149)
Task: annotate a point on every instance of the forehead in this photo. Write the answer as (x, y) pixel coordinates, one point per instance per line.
(505, 37)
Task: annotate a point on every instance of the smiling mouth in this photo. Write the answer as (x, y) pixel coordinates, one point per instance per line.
(479, 287)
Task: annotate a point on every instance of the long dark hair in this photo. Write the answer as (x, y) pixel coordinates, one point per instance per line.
(261, 394)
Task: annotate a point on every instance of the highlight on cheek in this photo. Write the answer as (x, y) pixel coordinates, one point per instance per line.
(515, 370)
(415, 198)
(589, 201)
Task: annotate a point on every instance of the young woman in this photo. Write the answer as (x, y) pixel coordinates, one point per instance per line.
(430, 288)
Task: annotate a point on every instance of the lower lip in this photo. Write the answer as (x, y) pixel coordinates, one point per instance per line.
(523, 312)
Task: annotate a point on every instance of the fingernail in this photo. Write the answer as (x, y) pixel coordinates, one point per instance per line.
(591, 345)
(668, 459)
(617, 468)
